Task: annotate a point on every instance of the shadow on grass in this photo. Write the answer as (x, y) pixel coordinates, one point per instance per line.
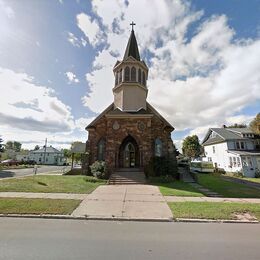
(42, 183)
(6, 174)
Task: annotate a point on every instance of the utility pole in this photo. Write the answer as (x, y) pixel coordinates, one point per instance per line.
(44, 156)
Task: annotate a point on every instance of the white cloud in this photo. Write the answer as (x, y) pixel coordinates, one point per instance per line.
(30, 113)
(73, 39)
(195, 82)
(89, 28)
(71, 77)
(6, 9)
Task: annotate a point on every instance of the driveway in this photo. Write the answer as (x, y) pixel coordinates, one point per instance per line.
(130, 202)
(28, 171)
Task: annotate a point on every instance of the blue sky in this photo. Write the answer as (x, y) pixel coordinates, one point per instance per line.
(56, 60)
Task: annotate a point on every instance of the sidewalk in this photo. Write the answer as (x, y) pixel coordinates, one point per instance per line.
(125, 202)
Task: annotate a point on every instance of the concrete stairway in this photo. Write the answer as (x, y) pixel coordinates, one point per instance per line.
(124, 176)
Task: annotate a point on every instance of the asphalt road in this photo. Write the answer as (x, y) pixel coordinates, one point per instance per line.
(28, 171)
(79, 239)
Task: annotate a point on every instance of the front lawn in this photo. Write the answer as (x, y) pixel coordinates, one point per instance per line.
(177, 188)
(228, 189)
(213, 210)
(51, 183)
(37, 206)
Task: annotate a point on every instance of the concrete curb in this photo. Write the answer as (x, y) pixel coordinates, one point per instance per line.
(185, 220)
(194, 220)
(84, 218)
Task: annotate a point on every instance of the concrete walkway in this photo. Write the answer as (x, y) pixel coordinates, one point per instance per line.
(130, 202)
(35, 195)
(210, 199)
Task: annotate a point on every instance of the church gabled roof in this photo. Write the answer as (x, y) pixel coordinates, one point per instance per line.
(132, 48)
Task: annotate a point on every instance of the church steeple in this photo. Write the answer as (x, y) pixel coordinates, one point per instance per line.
(132, 48)
(131, 73)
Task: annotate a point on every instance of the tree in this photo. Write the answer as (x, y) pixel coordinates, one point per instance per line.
(191, 146)
(1, 145)
(255, 124)
(67, 153)
(9, 145)
(237, 126)
(17, 146)
(37, 147)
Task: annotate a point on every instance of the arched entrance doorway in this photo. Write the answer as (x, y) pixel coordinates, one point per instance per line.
(129, 153)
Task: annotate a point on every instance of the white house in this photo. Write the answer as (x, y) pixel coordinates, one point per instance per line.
(233, 150)
(50, 156)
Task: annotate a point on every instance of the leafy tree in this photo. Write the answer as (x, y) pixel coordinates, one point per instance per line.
(255, 124)
(17, 146)
(1, 145)
(191, 146)
(67, 153)
(37, 147)
(9, 145)
(237, 126)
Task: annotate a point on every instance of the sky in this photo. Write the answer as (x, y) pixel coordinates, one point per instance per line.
(57, 56)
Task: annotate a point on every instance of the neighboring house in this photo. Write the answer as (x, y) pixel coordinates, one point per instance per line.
(22, 157)
(233, 149)
(50, 156)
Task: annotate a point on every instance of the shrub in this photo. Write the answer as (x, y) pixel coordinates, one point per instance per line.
(98, 169)
(161, 166)
(257, 173)
(238, 174)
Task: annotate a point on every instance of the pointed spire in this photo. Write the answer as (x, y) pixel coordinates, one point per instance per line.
(132, 47)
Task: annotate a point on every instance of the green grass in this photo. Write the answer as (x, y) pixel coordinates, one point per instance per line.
(52, 184)
(228, 189)
(178, 188)
(212, 210)
(37, 206)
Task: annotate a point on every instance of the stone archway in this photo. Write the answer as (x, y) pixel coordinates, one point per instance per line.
(129, 155)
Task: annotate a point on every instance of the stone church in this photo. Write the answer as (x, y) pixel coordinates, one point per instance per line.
(130, 131)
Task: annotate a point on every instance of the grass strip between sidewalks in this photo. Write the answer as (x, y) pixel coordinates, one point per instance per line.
(214, 210)
(37, 206)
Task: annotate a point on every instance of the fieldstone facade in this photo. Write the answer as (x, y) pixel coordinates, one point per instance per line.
(130, 131)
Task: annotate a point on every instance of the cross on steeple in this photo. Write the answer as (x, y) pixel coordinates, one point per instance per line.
(132, 24)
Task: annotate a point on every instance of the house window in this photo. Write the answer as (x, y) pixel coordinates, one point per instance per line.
(101, 150)
(133, 74)
(213, 148)
(209, 159)
(238, 162)
(234, 161)
(240, 145)
(230, 162)
(158, 147)
(127, 73)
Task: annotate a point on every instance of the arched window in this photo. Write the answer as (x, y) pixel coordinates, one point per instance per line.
(133, 74)
(101, 150)
(116, 78)
(127, 73)
(158, 147)
(120, 76)
(144, 80)
(139, 76)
